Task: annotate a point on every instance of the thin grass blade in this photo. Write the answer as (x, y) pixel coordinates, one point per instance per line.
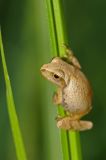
(14, 123)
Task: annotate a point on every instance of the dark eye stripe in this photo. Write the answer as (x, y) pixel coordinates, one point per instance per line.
(56, 76)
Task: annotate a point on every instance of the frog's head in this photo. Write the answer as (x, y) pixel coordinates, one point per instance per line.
(57, 71)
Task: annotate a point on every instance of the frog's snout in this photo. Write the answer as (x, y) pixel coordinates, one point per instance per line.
(44, 71)
(44, 67)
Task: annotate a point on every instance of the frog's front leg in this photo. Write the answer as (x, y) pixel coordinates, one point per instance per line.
(71, 58)
(78, 125)
(57, 97)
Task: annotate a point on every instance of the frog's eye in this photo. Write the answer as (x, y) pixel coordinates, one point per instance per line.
(58, 79)
(56, 76)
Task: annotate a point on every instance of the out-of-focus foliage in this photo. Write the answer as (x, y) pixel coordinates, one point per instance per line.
(27, 46)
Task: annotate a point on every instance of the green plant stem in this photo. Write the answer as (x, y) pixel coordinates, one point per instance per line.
(70, 140)
(75, 145)
(55, 51)
(16, 132)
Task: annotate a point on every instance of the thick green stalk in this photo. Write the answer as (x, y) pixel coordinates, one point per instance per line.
(75, 145)
(55, 50)
(16, 132)
(70, 140)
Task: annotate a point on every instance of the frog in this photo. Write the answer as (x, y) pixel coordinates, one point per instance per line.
(74, 92)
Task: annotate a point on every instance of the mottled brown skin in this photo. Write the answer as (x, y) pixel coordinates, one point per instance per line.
(74, 91)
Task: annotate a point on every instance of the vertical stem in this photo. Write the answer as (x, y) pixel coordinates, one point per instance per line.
(52, 27)
(60, 26)
(55, 50)
(75, 145)
(70, 140)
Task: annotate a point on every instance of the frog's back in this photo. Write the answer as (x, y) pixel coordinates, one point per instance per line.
(77, 96)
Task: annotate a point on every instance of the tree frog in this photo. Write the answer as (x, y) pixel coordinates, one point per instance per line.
(74, 92)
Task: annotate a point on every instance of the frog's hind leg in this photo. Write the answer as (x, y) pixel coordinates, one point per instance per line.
(78, 125)
(71, 58)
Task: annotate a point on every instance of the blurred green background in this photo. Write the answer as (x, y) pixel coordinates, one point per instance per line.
(27, 46)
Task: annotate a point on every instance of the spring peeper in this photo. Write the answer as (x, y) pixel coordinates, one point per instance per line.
(74, 91)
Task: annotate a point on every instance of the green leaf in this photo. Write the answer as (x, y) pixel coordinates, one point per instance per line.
(70, 140)
(16, 132)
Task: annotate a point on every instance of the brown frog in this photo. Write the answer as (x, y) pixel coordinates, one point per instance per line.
(74, 91)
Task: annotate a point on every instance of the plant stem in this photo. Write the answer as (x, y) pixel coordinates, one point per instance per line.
(16, 132)
(55, 51)
(70, 140)
(75, 145)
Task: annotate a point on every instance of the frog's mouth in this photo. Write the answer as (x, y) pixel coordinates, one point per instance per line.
(54, 75)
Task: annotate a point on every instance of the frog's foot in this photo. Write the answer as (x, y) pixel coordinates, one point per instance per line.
(70, 57)
(57, 97)
(78, 125)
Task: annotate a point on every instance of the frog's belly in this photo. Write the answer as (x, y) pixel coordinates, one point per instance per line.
(75, 97)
